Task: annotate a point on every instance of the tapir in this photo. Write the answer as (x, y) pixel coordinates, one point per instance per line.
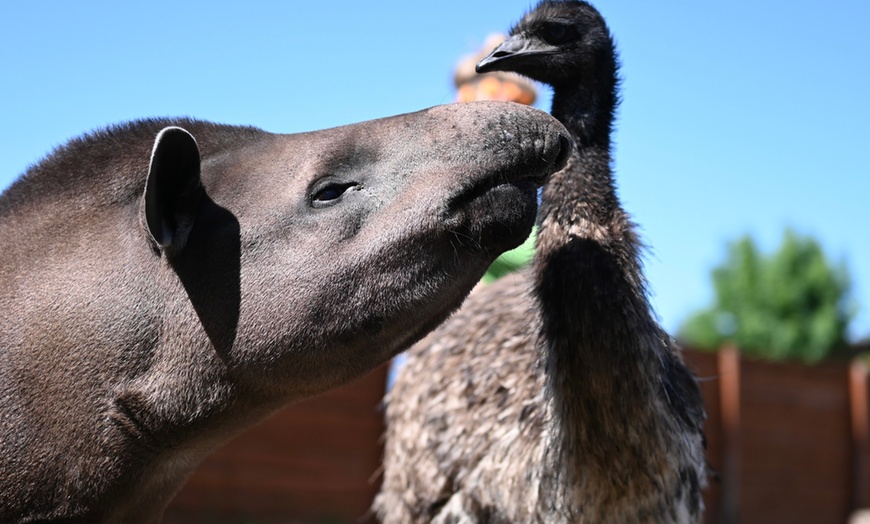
(166, 283)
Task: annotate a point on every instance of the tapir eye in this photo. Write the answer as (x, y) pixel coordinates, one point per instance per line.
(329, 194)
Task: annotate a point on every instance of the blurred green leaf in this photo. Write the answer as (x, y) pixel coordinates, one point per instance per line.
(512, 260)
(792, 304)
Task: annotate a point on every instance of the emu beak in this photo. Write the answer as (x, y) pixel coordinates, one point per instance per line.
(503, 55)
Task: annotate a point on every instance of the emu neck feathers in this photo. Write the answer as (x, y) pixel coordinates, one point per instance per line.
(603, 347)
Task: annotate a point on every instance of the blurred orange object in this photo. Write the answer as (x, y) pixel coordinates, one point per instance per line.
(508, 87)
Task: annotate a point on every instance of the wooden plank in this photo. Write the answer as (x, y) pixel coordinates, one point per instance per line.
(859, 403)
(730, 404)
(705, 366)
(795, 443)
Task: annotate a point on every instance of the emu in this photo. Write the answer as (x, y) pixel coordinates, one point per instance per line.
(166, 283)
(553, 396)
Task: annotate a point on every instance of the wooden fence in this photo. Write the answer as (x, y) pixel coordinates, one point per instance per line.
(790, 444)
(789, 441)
(313, 462)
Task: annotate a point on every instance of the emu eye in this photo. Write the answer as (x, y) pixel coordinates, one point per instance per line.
(557, 34)
(329, 194)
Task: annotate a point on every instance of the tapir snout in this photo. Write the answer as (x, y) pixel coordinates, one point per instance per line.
(166, 283)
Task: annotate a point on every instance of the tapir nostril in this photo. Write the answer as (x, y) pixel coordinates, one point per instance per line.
(565, 146)
(559, 159)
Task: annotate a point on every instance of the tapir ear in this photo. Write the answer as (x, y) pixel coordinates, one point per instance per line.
(174, 188)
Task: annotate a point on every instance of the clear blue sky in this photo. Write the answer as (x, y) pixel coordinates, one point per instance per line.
(738, 117)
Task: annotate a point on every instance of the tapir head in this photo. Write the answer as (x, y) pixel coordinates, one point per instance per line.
(151, 310)
(311, 258)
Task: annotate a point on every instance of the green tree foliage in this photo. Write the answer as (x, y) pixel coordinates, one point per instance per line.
(791, 304)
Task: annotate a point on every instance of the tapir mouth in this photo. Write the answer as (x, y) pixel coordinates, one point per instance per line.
(549, 160)
(490, 186)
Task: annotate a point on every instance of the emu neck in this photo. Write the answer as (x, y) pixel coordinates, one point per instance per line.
(579, 204)
(599, 339)
(582, 197)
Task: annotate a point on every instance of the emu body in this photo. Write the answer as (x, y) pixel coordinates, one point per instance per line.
(553, 396)
(166, 283)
